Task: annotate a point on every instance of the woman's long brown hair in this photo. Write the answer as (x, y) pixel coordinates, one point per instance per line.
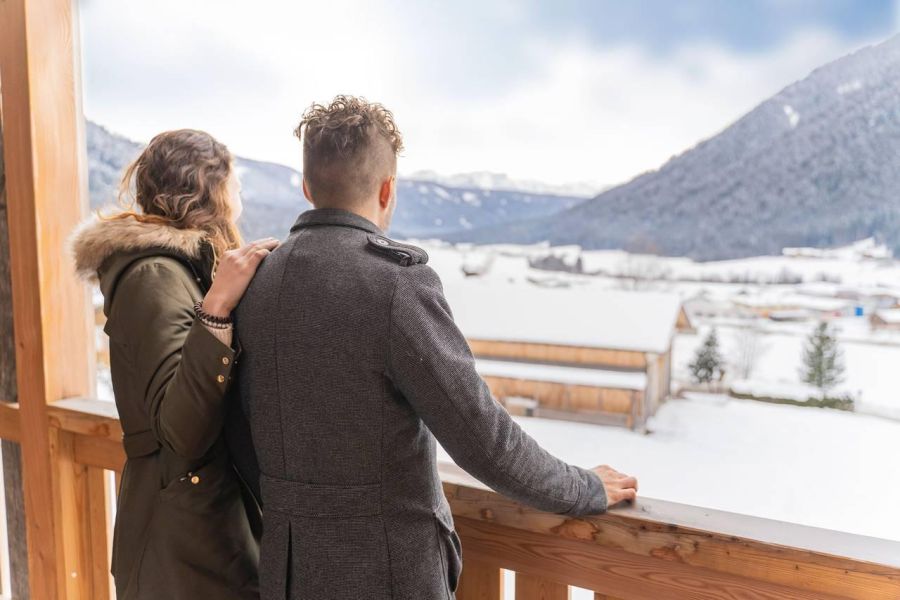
(181, 180)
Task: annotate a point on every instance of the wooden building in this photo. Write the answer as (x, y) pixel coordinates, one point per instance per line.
(887, 319)
(602, 356)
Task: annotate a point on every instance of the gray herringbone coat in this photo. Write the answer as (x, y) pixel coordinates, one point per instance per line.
(352, 366)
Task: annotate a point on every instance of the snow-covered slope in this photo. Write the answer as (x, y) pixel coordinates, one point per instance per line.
(815, 165)
(273, 198)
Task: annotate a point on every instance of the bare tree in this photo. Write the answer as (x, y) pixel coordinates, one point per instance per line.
(748, 347)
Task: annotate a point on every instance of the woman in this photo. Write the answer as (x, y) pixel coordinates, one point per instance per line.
(170, 273)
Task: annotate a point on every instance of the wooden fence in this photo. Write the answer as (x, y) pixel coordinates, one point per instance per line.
(649, 551)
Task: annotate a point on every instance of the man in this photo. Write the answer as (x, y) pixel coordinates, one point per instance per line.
(352, 365)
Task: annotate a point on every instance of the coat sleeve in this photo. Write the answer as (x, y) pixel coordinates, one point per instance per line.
(182, 370)
(432, 366)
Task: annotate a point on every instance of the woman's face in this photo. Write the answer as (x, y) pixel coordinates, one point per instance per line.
(234, 196)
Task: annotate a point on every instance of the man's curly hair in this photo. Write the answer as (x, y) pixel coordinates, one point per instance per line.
(349, 147)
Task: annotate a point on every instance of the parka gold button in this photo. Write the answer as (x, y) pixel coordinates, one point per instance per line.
(195, 479)
(220, 379)
(225, 360)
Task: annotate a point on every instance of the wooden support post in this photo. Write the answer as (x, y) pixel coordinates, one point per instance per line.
(531, 587)
(480, 581)
(12, 452)
(46, 197)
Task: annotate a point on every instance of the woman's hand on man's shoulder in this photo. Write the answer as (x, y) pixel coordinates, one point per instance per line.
(234, 272)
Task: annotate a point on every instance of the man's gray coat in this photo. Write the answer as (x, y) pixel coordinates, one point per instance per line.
(352, 365)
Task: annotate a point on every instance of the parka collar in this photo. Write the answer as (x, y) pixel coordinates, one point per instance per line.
(104, 248)
(96, 241)
(335, 216)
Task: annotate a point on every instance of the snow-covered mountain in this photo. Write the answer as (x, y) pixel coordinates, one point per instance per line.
(486, 180)
(273, 198)
(818, 164)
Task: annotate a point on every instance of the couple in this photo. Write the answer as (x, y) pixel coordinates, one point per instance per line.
(292, 393)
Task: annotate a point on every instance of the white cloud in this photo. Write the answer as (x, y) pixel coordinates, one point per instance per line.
(568, 112)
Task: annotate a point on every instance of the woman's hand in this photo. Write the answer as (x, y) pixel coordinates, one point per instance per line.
(619, 486)
(233, 274)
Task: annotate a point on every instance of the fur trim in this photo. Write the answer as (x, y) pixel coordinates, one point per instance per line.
(95, 240)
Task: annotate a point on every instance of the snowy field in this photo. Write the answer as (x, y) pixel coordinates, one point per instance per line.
(817, 467)
(820, 467)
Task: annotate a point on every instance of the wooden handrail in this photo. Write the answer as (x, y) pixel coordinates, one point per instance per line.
(654, 549)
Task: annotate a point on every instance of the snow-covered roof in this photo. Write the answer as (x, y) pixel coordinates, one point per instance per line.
(611, 319)
(622, 380)
(889, 315)
(778, 300)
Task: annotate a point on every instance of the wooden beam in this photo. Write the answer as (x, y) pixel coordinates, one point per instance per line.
(660, 535)
(612, 571)
(45, 184)
(13, 492)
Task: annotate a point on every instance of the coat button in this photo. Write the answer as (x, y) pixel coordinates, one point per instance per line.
(225, 360)
(195, 479)
(220, 379)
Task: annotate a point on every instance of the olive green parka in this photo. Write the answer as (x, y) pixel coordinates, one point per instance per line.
(186, 521)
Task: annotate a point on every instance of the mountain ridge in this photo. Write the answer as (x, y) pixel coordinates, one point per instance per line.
(273, 198)
(814, 165)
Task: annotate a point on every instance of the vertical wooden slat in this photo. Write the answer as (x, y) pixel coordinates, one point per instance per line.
(599, 596)
(46, 197)
(97, 552)
(12, 453)
(71, 500)
(530, 587)
(480, 581)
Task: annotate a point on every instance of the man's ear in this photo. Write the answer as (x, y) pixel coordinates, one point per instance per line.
(386, 192)
(306, 191)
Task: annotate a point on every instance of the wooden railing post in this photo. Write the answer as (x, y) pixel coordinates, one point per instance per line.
(46, 196)
(17, 585)
(480, 581)
(531, 587)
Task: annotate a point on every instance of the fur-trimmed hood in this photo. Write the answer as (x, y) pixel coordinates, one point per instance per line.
(96, 240)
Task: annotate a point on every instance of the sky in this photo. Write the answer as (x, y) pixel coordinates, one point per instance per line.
(561, 91)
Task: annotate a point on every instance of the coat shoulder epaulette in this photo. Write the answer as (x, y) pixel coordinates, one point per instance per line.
(404, 254)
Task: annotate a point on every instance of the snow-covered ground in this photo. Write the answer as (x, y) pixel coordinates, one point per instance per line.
(818, 467)
(821, 467)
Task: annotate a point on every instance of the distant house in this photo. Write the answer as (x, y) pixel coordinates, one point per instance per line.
(589, 355)
(886, 319)
(794, 307)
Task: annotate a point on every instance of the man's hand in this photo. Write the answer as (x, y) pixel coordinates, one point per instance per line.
(619, 486)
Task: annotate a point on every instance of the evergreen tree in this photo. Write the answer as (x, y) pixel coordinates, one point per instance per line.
(823, 364)
(707, 364)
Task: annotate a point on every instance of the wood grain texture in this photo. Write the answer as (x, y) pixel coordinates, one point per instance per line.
(10, 428)
(480, 580)
(531, 587)
(46, 197)
(13, 487)
(565, 396)
(612, 571)
(97, 543)
(559, 354)
(641, 538)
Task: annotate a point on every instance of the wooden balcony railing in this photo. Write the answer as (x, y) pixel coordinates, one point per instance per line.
(652, 550)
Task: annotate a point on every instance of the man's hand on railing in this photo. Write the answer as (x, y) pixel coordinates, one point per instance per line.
(619, 486)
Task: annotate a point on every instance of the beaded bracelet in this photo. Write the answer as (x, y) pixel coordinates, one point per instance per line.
(210, 320)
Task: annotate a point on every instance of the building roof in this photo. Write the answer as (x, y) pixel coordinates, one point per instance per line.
(889, 315)
(608, 319)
